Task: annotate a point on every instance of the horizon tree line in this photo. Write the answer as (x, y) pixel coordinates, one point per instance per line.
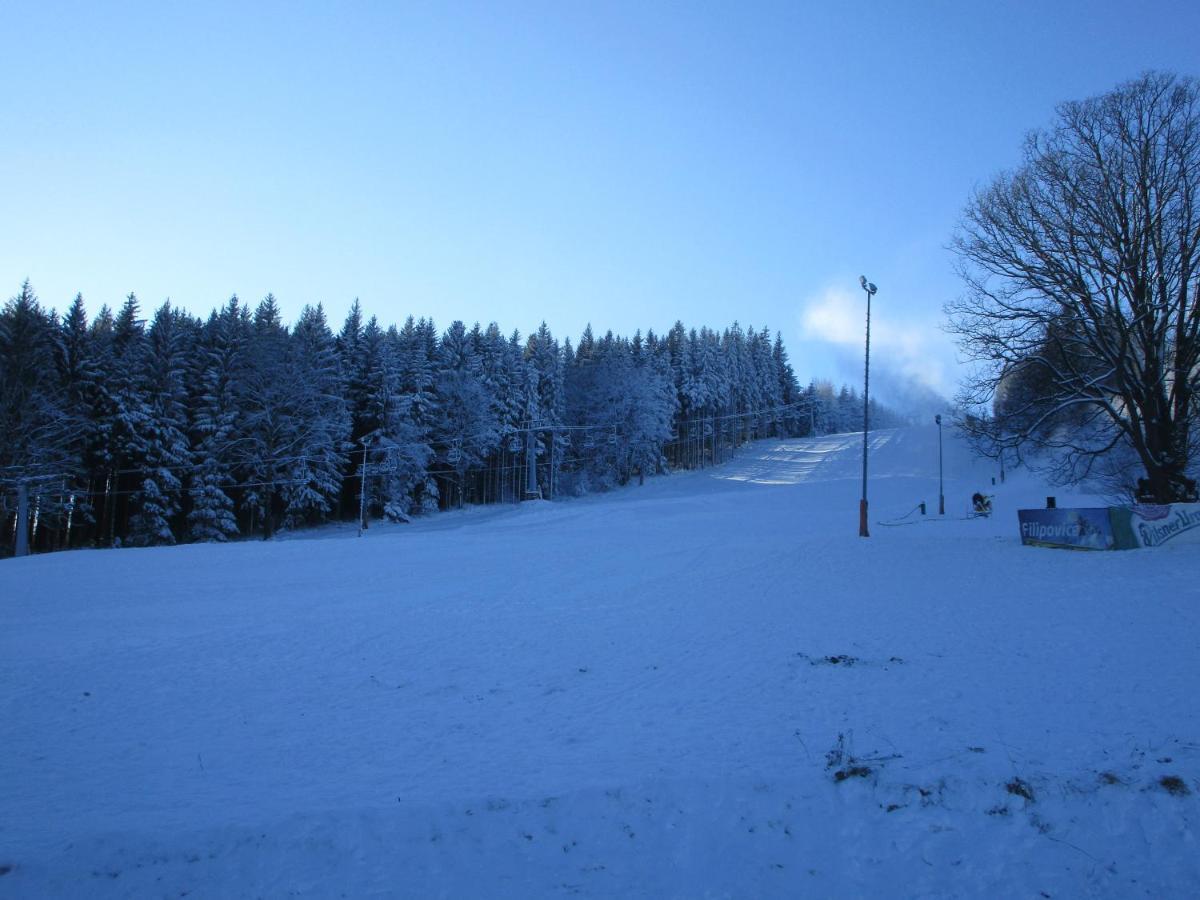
(133, 432)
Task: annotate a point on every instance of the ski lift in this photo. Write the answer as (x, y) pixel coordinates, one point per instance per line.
(454, 455)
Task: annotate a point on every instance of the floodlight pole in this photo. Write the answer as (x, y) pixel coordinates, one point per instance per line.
(531, 485)
(869, 289)
(22, 548)
(941, 491)
(362, 491)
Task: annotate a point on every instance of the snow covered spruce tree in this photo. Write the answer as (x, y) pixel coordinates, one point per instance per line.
(652, 406)
(400, 454)
(502, 374)
(273, 423)
(30, 402)
(547, 405)
(123, 414)
(414, 348)
(219, 370)
(35, 431)
(705, 389)
(791, 418)
(621, 398)
(79, 380)
(467, 429)
(1082, 307)
(595, 375)
(321, 421)
(165, 450)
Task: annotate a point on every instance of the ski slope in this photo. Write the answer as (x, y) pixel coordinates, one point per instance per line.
(706, 686)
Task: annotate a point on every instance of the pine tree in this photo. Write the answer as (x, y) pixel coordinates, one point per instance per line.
(467, 427)
(220, 367)
(269, 424)
(650, 412)
(166, 453)
(501, 373)
(79, 386)
(791, 420)
(548, 405)
(314, 476)
(401, 454)
(35, 430)
(414, 349)
(31, 405)
(123, 414)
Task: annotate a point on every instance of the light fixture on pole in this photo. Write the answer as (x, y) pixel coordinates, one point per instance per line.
(862, 505)
(941, 491)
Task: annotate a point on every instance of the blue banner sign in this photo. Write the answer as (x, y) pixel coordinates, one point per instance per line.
(1076, 529)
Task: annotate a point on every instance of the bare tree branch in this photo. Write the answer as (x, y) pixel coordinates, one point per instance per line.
(1082, 308)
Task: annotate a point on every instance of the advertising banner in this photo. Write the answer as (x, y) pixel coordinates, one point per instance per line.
(1109, 528)
(1075, 529)
(1148, 525)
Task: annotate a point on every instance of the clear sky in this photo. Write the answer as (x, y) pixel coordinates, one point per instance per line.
(624, 164)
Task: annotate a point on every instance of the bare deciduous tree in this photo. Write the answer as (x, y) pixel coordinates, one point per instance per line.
(1081, 310)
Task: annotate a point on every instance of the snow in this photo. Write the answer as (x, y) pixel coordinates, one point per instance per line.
(706, 686)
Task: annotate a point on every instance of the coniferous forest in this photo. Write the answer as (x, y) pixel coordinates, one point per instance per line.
(140, 429)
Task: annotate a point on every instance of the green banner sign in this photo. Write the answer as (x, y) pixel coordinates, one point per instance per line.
(1153, 526)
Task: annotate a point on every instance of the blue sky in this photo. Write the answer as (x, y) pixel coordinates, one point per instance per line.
(624, 164)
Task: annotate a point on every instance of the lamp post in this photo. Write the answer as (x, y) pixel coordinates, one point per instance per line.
(362, 490)
(870, 289)
(22, 519)
(941, 492)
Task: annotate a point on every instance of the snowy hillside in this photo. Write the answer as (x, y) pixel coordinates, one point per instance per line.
(707, 686)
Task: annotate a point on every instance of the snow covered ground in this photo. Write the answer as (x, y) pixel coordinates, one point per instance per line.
(707, 686)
